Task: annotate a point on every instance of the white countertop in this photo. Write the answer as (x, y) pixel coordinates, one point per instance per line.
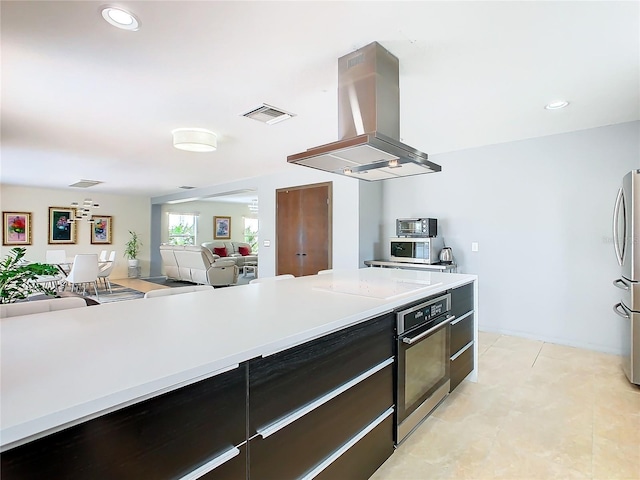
(60, 368)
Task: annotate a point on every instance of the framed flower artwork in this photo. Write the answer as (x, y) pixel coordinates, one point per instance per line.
(221, 228)
(16, 228)
(101, 229)
(61, 231)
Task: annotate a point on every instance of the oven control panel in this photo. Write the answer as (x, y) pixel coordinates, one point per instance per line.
(423, 313)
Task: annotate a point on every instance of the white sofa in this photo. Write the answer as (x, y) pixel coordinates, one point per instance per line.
(233, 251)
(197, 265)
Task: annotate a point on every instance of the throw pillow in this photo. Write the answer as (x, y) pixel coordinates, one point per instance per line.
(244, 251)
(221, 251)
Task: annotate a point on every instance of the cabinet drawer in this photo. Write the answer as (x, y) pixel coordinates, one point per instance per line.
(462, 300)
(300, 446)
(461, 333)
(461, 367)
(365, 457)
(284, 382)
(167, 436)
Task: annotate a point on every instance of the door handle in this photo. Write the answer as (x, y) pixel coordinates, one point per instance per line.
(417, 338)
(619, 313)
(301, 254)
(616, 215)
(620, 283)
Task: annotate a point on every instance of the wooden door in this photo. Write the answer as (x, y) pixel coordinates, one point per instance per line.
(303, 223)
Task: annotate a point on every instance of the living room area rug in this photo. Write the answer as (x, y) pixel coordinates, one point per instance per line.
(168, 282)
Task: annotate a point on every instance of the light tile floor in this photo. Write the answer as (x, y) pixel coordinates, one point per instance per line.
(538, 411)
(138, 284)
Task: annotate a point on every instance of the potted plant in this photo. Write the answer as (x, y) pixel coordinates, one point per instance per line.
(19, 279)
(132, 249)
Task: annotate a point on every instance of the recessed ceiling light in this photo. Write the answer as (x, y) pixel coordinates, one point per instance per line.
(556, 105)
(120, 18)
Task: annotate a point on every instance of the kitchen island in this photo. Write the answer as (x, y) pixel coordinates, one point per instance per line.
(62, 370)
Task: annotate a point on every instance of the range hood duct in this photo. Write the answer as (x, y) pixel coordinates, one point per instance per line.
(369, 123)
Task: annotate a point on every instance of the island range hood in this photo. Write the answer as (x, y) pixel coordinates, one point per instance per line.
(368, 123)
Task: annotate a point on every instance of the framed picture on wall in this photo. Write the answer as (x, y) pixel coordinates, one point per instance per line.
(16, 228)
(101, 229)
(60, 229)
(222, 228)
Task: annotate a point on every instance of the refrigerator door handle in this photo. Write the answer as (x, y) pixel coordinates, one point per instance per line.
(616, 214)
(620, 283)
(623, 314)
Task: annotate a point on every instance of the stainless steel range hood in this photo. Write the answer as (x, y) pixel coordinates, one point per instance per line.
(369, 123)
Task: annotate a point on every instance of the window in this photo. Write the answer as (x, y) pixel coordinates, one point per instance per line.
(182, 229)
(251, 233)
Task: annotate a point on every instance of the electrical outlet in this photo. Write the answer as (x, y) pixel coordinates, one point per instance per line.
(474, 246)
(266, 243)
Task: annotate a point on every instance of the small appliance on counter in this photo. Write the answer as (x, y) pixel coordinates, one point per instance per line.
(417, 227)
(415, 250)
(446, 256)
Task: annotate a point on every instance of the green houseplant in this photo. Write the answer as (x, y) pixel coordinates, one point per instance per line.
(19, 279)
(132, 249)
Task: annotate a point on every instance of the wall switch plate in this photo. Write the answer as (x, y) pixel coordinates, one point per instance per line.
(266, 243)
(474, 246)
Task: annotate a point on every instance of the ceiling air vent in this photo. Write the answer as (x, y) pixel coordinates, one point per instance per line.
(85, 183)
(268, 114)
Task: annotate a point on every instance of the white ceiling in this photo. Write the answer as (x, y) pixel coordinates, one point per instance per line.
(84, 100)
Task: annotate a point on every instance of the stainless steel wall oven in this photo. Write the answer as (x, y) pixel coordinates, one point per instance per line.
(423, 342)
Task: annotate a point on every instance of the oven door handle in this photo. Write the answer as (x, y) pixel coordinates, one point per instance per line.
(417, 338)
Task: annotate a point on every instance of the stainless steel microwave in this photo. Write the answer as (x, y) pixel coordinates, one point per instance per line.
(417, 227)
(415, 250)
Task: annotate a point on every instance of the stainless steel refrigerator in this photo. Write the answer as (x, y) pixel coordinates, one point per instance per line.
(626, 241)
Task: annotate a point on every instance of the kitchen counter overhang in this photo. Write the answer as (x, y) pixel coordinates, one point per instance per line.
(65, 367)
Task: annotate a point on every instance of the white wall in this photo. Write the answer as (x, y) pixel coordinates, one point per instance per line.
(127, 212)
(541, 211)
(345, 211)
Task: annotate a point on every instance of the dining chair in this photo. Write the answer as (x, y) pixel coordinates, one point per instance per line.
(103, 256)
(163, 292)
(105, 270)
(272, 279)
(59, 258)
(84, 270)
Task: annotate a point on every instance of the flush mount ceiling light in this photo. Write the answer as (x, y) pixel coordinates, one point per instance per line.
(120, 18)
(556, 105)
(195, 139)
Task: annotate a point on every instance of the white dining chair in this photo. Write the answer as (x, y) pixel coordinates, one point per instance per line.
(59, 258)
(272, 279)
(163, 292)
(84, 270)
(103, 256)
(105, 270)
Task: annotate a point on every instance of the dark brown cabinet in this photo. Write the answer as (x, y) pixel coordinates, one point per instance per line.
(303, 226)
(462, 332)
(310, 401)
(168, 436)
(324, 407)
